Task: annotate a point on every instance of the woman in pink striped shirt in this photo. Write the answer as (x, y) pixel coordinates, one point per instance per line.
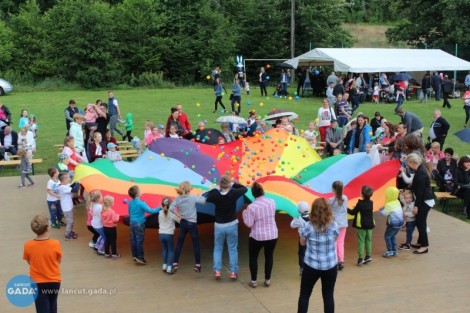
(260, 217)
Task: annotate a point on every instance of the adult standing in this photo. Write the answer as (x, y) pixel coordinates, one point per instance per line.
(360, 135)
(302, 75)
(69, 112)
(425, 87)
(226, 223)
(263, 81)
(424, 200)
(103, 118)
(114, 113)
(436, 85)
(320, 261)
(439, 128)
(260, 217)
(332, 78)
(184, 121)
(467, 81)
(76, 131)
(215, 74)
(462, 183)
(446, 91)
(9, 140)
(284, 80)
(355, 96)
(325, 115)
(414, 125)
(236, 97)
(362, 86)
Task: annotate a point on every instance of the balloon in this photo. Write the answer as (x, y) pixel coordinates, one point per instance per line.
(317, 72)
(276, 96)
(296, 97)
(248, 102)
(268, 66)
(261, 104)
(198, 104)
(208, 77)
(295, 93)
(223, 93)
(267, 77)
(317, 120)
(290, 98)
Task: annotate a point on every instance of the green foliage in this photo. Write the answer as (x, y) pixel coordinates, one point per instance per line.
(6, 45)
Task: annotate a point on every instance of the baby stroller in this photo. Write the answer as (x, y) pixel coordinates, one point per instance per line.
(386, 96)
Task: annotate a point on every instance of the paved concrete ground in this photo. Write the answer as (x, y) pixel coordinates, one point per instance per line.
(435, 282)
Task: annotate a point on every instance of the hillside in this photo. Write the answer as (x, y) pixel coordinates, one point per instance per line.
(368, 35)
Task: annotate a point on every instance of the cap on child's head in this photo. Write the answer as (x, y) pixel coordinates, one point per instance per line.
(303, 207)
(160, 126)
(63, 156)
(111, 145)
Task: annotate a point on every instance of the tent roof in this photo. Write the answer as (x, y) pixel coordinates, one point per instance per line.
(368, 60)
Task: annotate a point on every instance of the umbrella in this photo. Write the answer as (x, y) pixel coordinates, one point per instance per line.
(401, 77)
(464, 135)
(276, 114)
(231, 119)
(209, 136)
(285, 65)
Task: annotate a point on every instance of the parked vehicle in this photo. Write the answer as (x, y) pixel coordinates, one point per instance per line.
(5, 87)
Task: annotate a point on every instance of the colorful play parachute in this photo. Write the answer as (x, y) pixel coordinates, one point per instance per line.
(289, 169)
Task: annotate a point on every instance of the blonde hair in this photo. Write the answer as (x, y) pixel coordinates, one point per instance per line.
(435, 144)
(95, 196)
(108, 201)
(148, 124)
(39, 224)
(184, 188)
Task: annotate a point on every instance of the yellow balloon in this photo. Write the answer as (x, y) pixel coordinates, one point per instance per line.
(261, 104)
(317, 120)
(370, 133)
(208, 77)
(198, 104)
(290, 98)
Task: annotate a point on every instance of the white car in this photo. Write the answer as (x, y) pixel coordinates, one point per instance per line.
(5, 87)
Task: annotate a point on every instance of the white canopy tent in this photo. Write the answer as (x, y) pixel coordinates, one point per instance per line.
(369, 60)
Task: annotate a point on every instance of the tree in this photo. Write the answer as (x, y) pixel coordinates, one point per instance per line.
(30, 42)
(6, 46)
(141, 41)
(83, 45)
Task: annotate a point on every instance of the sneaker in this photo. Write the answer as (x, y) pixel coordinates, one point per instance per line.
(217, 274)
(388, 254)
(91, 244)
(116, 256)
(169, 269)
(175, 267)
(54, 225)
(61, 223)
(107, 256)
(367, 259)
(233, 275)
(197, 268)
(21, 186)
(360, 261)
(405, 246)
(253, 284)
(31, 185)
(100, 252)
(267, 282)
(134, 259)
(69, 238)
(340, 266)
(141, 261)
(74, 235)
(164, 267)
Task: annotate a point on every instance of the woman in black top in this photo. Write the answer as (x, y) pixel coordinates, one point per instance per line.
(462, 183)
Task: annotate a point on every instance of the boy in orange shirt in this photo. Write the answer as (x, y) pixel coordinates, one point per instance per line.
(43, 256)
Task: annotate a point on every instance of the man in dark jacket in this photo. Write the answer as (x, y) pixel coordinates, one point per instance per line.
(446, 91)
(436, 85)
(9, 140)
(439, 128)
(69, 112)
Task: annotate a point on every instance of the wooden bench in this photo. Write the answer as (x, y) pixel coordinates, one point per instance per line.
(444, 197)
(17, 162)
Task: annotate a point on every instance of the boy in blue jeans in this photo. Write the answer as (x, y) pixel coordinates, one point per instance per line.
(137, 209)
(394, 213)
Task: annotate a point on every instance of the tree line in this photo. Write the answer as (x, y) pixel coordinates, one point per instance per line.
(98, 43)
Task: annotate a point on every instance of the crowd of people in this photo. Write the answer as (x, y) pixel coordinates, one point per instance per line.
(322, 225)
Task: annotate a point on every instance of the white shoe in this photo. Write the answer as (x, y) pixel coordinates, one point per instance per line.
(165, 267)
(91, 244)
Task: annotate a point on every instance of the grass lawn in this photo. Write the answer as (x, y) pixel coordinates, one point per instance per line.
(155, 104)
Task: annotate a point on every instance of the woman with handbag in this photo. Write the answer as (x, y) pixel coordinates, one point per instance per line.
(462, 183)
